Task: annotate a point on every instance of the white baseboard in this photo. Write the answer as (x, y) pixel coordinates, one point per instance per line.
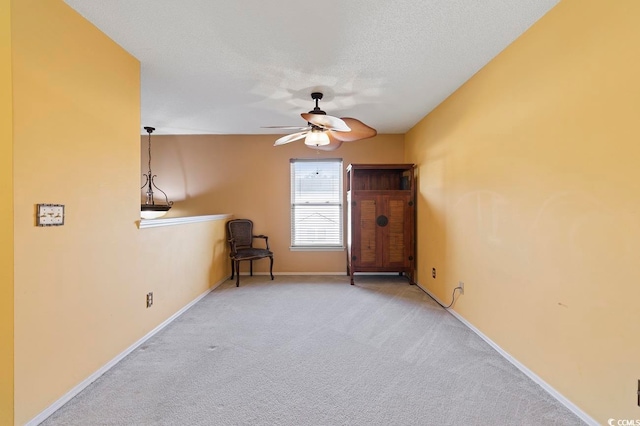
(533, 376)
(93, 377)
(275, 274)
(244, 273)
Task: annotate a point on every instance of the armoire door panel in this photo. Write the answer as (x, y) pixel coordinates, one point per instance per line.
(367, 232)
(396, 236)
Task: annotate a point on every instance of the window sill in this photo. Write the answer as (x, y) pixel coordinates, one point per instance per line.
(317, 248)
(154, 223)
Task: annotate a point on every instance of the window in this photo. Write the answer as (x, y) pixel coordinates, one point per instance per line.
(316, 204)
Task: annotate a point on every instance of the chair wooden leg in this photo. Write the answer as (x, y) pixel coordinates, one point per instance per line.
(233, 268)
(237, 273)
(251, 267)
(271, 267)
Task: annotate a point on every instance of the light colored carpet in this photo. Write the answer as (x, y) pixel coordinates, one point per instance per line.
(309, 350)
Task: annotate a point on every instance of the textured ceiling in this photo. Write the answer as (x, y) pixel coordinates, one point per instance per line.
(231, 67)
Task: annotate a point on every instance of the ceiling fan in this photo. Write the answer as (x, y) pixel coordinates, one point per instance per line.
(325, 132)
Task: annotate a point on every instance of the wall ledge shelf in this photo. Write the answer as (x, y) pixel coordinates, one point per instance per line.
(155, 223)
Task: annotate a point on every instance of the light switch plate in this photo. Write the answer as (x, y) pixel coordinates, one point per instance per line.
(50, 215)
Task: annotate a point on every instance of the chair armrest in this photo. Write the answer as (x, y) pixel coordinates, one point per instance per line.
(266, 239)
(232, 246)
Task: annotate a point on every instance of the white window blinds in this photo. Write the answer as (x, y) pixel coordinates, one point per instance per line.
(316, 203)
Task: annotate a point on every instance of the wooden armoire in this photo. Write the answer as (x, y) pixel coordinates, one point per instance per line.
(381, 219)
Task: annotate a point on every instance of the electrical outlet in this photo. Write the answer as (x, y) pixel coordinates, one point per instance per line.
(461, 285)
(149, 299)
(433, 272)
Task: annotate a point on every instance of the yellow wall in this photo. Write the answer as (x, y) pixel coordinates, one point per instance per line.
(80, 288)
(529, 193)
(6, 219)
(249, 177)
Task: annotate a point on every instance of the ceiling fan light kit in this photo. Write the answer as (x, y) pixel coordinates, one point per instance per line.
(324, 131)
(316, 137)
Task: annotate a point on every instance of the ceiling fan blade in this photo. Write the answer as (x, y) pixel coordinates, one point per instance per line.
(290, 138)
(287, 127)
(359, 131)
(326, 122)
(333, 144)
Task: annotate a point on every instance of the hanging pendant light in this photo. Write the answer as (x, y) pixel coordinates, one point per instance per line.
(151, 210)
